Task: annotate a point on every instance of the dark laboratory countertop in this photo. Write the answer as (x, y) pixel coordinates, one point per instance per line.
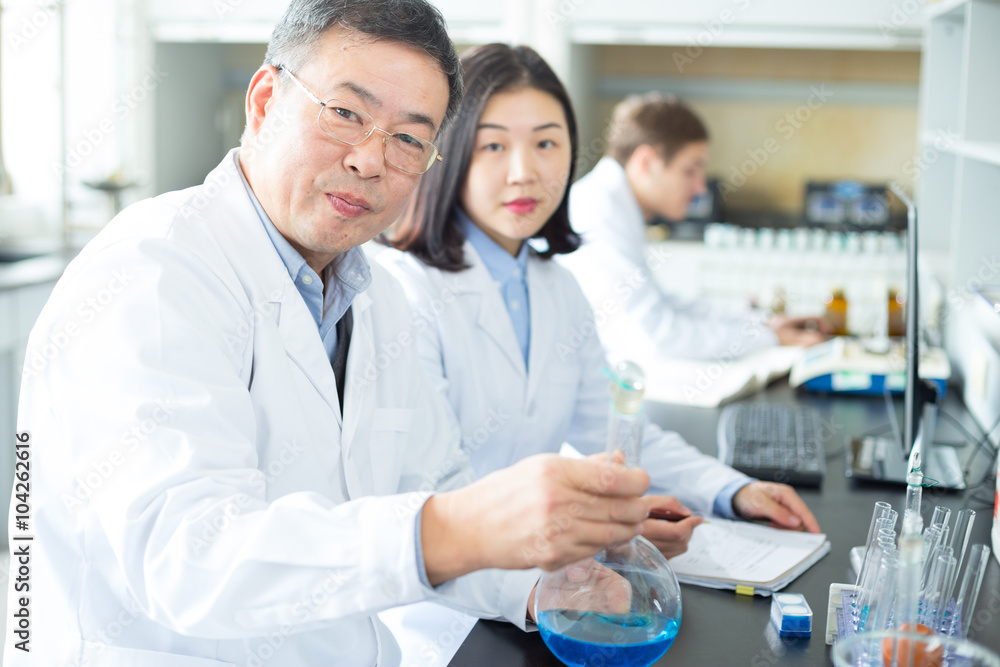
(722, 628)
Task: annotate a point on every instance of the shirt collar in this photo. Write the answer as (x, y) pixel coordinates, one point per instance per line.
(350, 268)
(498, 262)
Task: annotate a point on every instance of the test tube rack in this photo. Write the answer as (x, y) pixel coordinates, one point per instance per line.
(844, 614)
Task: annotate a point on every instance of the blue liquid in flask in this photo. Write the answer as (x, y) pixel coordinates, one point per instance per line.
(588, 638)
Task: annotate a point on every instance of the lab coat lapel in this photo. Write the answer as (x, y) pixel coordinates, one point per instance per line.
(238, 222)
(541, 306)
(360, 357)
(492, 319)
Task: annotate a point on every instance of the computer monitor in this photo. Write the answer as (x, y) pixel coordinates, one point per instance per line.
(918, 393)
(913, 442)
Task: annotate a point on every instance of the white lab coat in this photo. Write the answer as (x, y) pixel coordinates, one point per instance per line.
(637, 319)
(468, 346)
(196, 498)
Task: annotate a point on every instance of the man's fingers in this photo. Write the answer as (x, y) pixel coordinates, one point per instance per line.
(790, 499)
(585, 539)
(604, 479)
(603, 509)
(667, 504)
(656, 530)
(771, 509)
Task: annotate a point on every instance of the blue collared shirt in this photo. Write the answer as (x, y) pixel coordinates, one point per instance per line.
(346, 276)
(723, 505)
(510, 274)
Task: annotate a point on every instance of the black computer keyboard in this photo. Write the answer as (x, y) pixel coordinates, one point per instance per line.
(774, 443)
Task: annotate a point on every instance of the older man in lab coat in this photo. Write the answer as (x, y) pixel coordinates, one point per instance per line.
(654, 166)
(233, 456)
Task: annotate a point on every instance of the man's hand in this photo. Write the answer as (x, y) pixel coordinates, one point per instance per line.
(802, 331)
(670, 537)
(585, 585)
(544, 511)
(777, 503)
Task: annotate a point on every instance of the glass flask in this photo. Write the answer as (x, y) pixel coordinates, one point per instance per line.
(622, 606)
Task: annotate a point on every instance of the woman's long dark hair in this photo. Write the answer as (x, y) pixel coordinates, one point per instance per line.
(429, 228)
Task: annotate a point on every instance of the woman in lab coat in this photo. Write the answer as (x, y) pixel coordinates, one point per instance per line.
(505, 333)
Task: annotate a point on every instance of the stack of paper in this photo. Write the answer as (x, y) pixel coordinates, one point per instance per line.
(710, 383)
(727, 554)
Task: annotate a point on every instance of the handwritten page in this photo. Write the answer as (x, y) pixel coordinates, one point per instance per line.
(737, 552)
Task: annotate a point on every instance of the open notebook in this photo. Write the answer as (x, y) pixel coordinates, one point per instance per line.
(710, 383)
(727, 554)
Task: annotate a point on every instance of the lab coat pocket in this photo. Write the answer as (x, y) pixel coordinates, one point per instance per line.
(116, 656)
(390, 441)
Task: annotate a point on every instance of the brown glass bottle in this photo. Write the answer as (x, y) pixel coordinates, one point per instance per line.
(836, 312)
(897, 314)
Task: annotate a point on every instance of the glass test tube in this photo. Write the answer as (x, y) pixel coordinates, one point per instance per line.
(869, 589)
(941, 516)
(885, 541)
(881, 507)
(935, 537)
(912, 521)
(960, 536)
(883, 527)
(908, 580)
(882, 603)
(940, 569)
(624, 422)
(944, 583)
(968, 593)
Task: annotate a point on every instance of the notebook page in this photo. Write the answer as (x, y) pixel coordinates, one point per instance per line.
(744, 552)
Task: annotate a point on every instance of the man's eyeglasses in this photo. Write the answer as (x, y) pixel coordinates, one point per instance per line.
(350, 125)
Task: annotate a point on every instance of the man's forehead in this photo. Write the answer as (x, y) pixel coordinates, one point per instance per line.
(382, 74)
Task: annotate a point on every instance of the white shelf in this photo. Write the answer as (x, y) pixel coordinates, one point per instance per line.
(944, 141)
(746, 36)
(959, 162)
(951, 9)
(988, 152)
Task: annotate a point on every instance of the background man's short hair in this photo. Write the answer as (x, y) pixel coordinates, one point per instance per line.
(661, 121)
(415, 23)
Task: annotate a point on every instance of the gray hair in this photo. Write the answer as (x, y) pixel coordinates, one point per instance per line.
(414, 23)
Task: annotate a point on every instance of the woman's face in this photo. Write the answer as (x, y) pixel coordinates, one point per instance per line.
(520, 166)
